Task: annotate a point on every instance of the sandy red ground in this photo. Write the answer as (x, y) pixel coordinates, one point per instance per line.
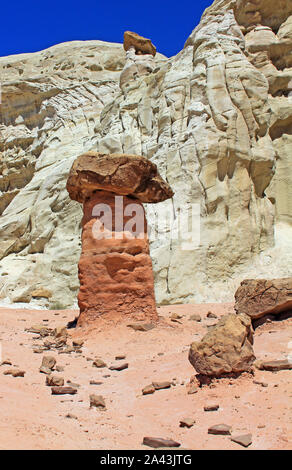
(31, 418)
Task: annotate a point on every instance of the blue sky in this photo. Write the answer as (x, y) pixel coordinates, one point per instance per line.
(29, 26)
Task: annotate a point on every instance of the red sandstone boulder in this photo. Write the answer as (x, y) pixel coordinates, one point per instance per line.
(259, 297)
(126, 175)
(141, 45)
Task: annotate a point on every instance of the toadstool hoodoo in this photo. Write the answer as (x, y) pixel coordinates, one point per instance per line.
(115, 268)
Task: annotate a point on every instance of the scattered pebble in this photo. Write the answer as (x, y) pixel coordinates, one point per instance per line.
(120, 367)
(63, 391)
(72, 384)
(263, 384)
(195, 317)
(71, 416)
(99, 363)
(120, 357)
(161, 385)
(48, 362)
(192, 389)
(14, 372)
(211, 315)
(78, 342)
(148, 390)
(7, 362)
(244, 440)
(187, 422)
(60, 331)
(274, 366)
(211, 407)
(54, 381)
(175, 316)
(220, 429)
(156, 442)
(97, 401)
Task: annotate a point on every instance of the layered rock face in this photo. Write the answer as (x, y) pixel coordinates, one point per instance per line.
(216, 119)
(115, 268)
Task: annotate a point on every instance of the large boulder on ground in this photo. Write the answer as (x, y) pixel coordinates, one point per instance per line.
(226, 348)
(259, 297)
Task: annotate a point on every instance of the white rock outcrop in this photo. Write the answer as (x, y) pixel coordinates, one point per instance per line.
(217, 121)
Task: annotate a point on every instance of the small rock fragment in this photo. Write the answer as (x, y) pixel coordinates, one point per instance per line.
(72, 384)
(60, 331)
(263, 384)
(220, 429)
(48, 362)
(156, 442)
(14, 372)
(39, 329)
(49, 343)
(214, 407)
(97, 401)
(78, 343)
(54, 380)
(192, 389)
(187, 422)
(45, 370)
(120, 367)
(67, 350)
(211, 315)
(63, 391)
(120, 357)
(99, 363)
(175, 317)
(195, 317)
(95, 382)
(161, 385)
(39, 350)
(71, 416)
(148, 390)
(244, 440)
(274, 366)
(7, 362)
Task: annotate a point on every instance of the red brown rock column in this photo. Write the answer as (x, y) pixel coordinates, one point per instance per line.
(115, 273)
(115, 268)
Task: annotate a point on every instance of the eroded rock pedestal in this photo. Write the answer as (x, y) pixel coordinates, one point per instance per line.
(115, 268)
(115, 272)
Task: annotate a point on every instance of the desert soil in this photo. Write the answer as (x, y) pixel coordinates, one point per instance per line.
(32, 418)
